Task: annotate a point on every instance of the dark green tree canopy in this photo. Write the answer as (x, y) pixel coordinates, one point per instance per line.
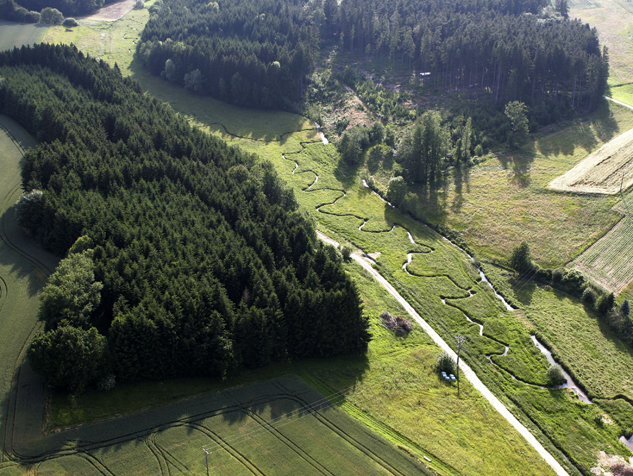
(206, 263)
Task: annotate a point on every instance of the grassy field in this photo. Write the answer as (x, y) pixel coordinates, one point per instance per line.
(614, 22)
(503, 201)
(114, 42)
(23, 271)
(18, 34)
(505, 195)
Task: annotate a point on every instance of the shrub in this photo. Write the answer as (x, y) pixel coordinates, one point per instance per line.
(70, 22)
(589, 296)
(32, 17)
(544, 274)
(625, 308)
(574, 281)
(107, 383)
(521, 259)
(557, 275)
(602, 305)
(555, 375)
(346, 251)
(479, 150)
(139, 5)
(51, 16)
(396, 191)
(445, 363)
(30, 208)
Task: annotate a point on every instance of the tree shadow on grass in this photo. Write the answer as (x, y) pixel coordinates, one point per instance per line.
(22, 255)
(234, 121)
(267, 402)
(599, 126)
(519, 164)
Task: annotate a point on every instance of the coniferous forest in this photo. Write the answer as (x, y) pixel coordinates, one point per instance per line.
(183, 256)
(258, 52)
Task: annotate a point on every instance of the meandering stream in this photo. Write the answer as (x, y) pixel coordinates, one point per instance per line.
(569, 381)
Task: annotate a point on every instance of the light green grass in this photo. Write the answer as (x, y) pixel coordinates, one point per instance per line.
(507, 188)
(112, 41)
(395, 392)
(623, 93)
(20, 34)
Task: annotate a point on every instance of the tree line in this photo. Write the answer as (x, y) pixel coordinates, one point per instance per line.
(183, 256)
(246, 52)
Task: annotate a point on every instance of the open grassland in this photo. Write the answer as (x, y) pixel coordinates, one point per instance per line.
(495, 205)
(614, 22)
(623, 93)
(19, 34)
(112, 41)
(503, 201)
(23, 271)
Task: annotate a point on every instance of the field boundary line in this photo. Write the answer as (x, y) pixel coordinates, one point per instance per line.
(390, 434)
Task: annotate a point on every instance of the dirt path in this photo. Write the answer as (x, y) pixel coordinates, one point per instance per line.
(618, 102)
(468, 372)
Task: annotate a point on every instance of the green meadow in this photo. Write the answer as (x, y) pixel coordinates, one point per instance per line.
(494, 205)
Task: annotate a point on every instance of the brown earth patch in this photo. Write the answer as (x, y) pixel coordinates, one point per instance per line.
(112, 12)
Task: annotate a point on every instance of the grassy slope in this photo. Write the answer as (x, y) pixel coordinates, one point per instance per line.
(557, 415)
(18, 34)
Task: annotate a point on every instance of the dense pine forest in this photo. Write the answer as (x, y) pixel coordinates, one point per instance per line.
(183, 256)
(258, 52)
(501, 46)
(253, 53)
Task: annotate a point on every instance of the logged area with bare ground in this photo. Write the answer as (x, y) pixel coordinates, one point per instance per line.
(606, 171)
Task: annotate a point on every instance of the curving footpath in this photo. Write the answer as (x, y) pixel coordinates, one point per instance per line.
(467, 371)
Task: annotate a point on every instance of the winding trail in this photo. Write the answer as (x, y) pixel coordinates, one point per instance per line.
(468, 372)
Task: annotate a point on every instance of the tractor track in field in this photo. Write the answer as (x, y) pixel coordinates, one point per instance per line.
(14, 383)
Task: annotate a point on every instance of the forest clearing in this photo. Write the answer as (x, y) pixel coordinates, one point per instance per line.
(111, 12)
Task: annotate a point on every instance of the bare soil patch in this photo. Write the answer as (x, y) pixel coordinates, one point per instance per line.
(606, 171)
(112, 12)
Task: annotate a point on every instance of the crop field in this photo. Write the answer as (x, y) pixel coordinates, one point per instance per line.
(609, 261)
(277, 427)
(18, 34)
(23, 271)
(609, 170)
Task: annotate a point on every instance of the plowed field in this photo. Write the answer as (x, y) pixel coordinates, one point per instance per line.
(605, 171)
